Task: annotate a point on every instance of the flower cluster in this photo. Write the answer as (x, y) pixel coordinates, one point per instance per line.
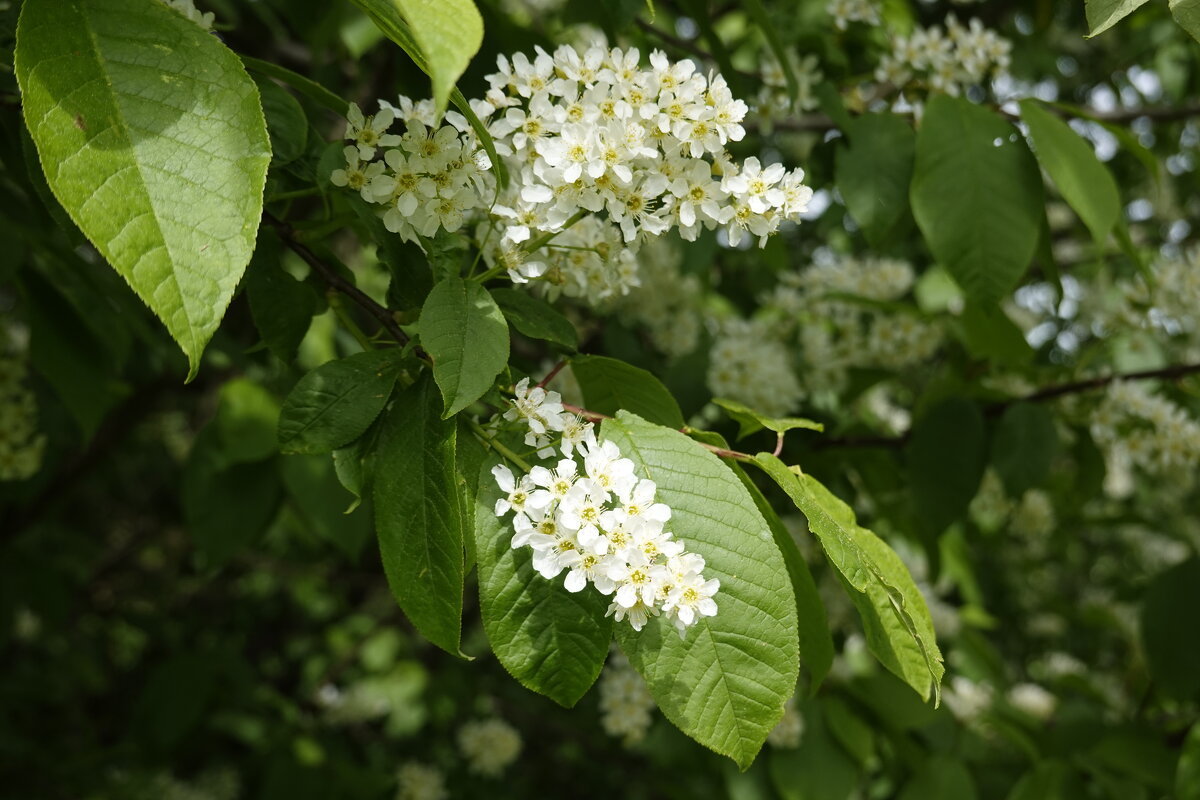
(626, 706)
(416, 781)
(189, 10)
(773, 101)
(1174, 308)
(1146, 431)
(592, 517)
(669, 303)
(590, 136)
(846, 11)
(946, 61)
(750, 366)
(489, 746)
(21, 446)
(427, 179)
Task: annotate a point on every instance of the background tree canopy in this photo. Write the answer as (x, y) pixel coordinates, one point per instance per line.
(548, 398)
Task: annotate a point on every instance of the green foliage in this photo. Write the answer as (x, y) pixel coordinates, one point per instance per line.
(946, 455)
(874, 170)
(1103, 14)
(334, 404)
(449, 33)
(977, 196)
(820, 770)
(610, 385)
(536, 318)
(724, 683)
(750, 421)
(1071, 162)
(940, 779)
(551, 640)
(1024, 445)
(465, 334)
(163, 166)
(418, 518)
(1173, 653)
(894, 615)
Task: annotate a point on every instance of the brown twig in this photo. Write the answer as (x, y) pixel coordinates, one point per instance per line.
(330, 276)
(1171, 373)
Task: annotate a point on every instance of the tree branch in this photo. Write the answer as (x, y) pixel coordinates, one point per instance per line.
(330, 276)
(1172, 373)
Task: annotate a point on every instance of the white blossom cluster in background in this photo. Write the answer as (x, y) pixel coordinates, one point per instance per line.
(1141, 429)
(416, 781)
(750, 365)
(626, 707)
(21, 446)
(592, 517)
(1031, 517)
(669, 303)
(602, 152)
(845, 12)
(773, 101)
(788, 732)
(822, 307)
(489, 746)
(945, 61)
(1171, 307)
(189, 10)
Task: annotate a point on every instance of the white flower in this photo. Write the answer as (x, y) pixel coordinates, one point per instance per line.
(368, 133)
(489, 746)
(357, 175)
(518, 491)
(625, 701)
(415, 781)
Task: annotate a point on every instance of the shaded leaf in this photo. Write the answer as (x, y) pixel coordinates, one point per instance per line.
(464, 332)
(609, 385)
(335, 403)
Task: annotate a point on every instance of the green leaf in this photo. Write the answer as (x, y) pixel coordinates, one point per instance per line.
(1169, 634)
(1187, 774)
(726, 683)
(464, 332)
(282, 307)
(335, 403)
(247, 416)
(286, 123)
(418, 515)
(609, 385)
(816, 642)
(977, 196)
(553, 641)
(1103, 14)
(895, 618)
(536, 318)
(307, 87)
(449, 33)
(226, 507)
(988, 332)
(1024, 446)
(1081, 178)
(874, 170)
(750, 421)
(152, 137)
(941, 778)
(1187, 14)
(850, 730)
(819, 770)
(945, 455)
(313, 487)
(1046, 781)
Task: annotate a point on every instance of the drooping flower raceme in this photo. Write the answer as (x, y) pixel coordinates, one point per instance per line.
(489, 746)
(602, 153)
(593, 518)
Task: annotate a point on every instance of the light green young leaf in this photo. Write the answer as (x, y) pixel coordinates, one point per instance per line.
(895, 618)
(466, 334)
(536, 318)
(551, 640)
(1187, 14)
(335, 403)
(1071, 162)
(1103, 14)
(418, 515)
(750, 421)
(977, 196)
(152, 137)
(609, 384)
(449, 33)
(726, 683)
(874, 169)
